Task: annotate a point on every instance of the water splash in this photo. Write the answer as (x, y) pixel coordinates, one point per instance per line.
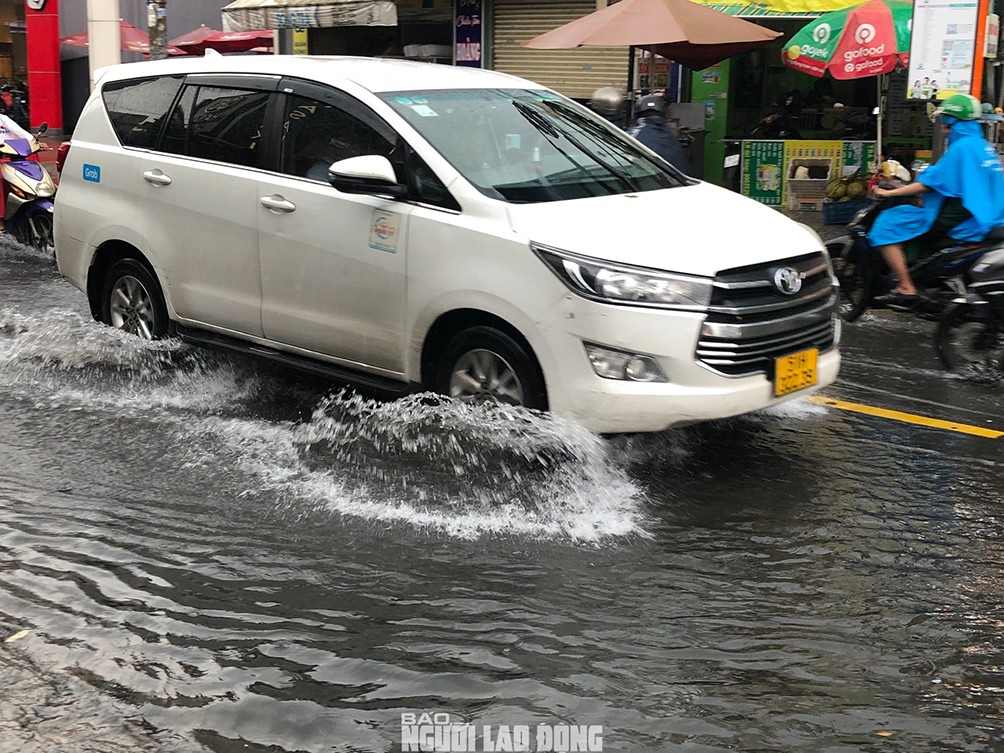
(66, 360)
(438, 464)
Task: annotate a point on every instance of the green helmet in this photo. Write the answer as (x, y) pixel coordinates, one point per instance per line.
(962, 106)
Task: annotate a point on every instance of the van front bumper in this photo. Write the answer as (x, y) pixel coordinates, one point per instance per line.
(693, 393)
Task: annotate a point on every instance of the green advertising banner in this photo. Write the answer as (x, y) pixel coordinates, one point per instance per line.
(763, 171)
(859, 156)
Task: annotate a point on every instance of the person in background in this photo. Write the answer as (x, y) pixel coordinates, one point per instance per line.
(963, 198)
(651, 129)
(608, 103)
(11, 105)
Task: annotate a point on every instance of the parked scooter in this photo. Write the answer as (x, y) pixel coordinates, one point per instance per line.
(961, 287)
(27, 187)
(783, 123)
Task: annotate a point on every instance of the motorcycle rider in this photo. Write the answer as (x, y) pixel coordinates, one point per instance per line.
(652, 130)
(963, 198)
(608, 103)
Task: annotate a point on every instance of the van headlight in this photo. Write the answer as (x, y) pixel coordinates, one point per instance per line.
(618, 283)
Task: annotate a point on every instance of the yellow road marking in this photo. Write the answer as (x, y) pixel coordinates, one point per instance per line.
(910, 418)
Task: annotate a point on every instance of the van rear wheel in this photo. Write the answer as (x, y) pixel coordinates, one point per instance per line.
(131, 301)
(484, 364)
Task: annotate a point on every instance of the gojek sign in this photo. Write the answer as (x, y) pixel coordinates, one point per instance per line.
(863, 40)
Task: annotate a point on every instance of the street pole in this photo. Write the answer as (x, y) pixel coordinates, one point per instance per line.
(104, 34)
(157, 28)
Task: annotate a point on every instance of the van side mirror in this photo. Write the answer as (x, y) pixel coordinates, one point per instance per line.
(371, 173)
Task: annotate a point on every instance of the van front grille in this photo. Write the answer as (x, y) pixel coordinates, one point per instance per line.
(751, 321)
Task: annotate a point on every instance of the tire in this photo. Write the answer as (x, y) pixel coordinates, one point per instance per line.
(856, 277)
(35, 230)
(969, 338)
(484, 364)
(38, 233)
(132, 301)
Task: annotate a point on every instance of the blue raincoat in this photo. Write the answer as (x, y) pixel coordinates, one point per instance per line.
(970, 170)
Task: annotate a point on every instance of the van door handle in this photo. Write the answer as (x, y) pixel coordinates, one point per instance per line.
(276, 203)
(157, 178)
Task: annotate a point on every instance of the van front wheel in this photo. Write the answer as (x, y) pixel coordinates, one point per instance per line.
(484, 364)
(132, 302)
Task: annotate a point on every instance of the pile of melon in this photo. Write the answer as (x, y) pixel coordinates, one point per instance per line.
(853, 186)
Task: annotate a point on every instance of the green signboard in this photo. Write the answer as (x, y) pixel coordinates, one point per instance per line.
(859, 155)
(763, 171)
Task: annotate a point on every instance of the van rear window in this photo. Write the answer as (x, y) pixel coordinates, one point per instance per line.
(137, 107)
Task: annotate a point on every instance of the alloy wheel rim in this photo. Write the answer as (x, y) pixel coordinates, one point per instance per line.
(132, 308)
(484, 376)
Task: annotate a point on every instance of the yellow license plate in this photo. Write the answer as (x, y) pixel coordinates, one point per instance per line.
(795, 372)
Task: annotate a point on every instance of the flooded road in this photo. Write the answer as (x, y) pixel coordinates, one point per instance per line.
(199, 552)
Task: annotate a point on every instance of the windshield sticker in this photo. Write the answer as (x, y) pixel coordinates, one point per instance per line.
(512, 141)
(425, 111)
(420, 100)
(92, 173)
(403, 100)
(383, 231)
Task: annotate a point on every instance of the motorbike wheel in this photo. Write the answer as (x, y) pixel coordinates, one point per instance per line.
(35, 230)
(132, 300)
(970, 338)
(39, 233)
(856, 277)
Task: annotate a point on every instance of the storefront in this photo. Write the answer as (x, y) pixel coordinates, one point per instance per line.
(436, 31)
(13, 47)
(575, 73)
(767, 122)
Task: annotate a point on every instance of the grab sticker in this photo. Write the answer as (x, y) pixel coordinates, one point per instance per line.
(383, 231)
(92, 173)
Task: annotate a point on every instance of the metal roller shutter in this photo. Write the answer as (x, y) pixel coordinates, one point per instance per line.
(574, 73)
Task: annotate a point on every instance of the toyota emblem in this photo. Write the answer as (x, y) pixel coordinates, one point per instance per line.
(788, 280)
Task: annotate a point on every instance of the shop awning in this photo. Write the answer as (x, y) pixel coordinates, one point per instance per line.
(777, 8)
(248, 15)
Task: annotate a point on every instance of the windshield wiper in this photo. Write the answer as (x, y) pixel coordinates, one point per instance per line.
(594, 128)
(539, 120)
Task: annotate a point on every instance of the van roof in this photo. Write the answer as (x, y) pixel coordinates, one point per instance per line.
(375, 74)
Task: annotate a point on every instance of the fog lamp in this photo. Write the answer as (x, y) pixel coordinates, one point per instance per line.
(618, 364)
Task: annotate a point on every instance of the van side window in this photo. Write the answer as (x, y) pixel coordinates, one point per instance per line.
(223, 124)
(173, 140)
(137, 108)
(316, 134)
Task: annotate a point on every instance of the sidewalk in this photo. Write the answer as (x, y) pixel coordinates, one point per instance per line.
(815, 221)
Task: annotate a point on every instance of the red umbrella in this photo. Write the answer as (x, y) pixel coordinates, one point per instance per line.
(195, 35)
(690, 34)
(230, 41)
(133, 39)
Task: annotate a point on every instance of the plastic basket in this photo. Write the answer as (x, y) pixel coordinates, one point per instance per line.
(842, 212)
(804, 193)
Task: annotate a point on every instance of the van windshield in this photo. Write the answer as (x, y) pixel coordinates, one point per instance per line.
(529, 146)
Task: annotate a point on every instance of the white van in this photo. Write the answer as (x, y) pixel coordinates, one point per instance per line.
(408, 226)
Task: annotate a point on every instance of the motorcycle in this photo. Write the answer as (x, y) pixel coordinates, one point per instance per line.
(781, 124)
(971, 328)
(28, 190)
(961, 286)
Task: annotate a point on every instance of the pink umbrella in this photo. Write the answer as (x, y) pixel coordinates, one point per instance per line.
(693, 35)
(133, 39)
(230, 41)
